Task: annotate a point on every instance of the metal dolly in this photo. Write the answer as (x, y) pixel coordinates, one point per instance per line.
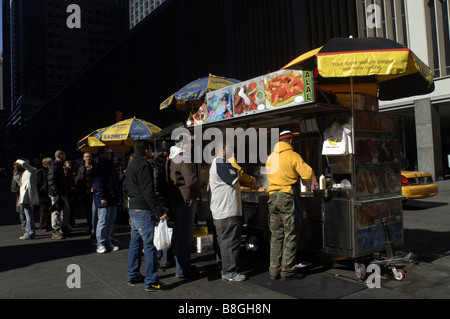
(389, 261)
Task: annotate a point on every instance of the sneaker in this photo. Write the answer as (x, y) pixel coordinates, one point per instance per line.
(234, 277)
(113, 248)
(137, 280)
(57, 235)
(300, 265)
(101, 249)
(157, 286)
(24, 238)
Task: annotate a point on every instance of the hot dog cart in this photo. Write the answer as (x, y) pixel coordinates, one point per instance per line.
(331, 105)
(361, 199)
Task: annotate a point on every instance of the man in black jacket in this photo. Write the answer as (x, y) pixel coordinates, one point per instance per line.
(84, 187)
(58, 190)
(105, 184)
(145, 211)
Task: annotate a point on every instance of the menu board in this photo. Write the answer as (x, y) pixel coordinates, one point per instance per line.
(378, 176)
(249, 97)
(220, 104)
(287, 88)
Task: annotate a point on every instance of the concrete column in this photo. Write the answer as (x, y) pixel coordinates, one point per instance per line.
(428, 134)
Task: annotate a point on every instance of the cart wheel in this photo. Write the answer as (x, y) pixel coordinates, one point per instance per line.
(399, 274)
(360, 271)
(252, 243)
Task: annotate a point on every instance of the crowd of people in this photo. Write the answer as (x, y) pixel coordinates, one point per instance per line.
(54, 188)
(160, 186)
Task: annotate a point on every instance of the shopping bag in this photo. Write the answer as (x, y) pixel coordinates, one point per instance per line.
(337, 140)
(162, 238)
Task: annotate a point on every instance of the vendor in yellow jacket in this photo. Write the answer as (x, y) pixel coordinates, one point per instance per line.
(284, 168)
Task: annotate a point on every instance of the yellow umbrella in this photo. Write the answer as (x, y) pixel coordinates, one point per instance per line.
(128, 131)
(90, 143)
(391, 67)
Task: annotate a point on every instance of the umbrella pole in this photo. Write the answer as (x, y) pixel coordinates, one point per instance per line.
(352, 126)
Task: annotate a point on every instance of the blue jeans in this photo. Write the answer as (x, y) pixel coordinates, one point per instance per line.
(29, 225)
(106, 219)
(142, 228)
(162, 255)
(184, 228)
(94, 218)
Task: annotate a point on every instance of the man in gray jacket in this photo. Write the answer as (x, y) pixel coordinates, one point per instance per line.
(226, 209)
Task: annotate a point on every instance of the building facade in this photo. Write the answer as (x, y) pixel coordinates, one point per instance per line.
(179, 42)
(139, 9)
(45, 53)
(423, 26)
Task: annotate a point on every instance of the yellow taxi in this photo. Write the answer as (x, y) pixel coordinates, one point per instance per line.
(418, 185)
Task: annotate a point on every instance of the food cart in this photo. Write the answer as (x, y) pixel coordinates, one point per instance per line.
(356, 211)
(339, 219)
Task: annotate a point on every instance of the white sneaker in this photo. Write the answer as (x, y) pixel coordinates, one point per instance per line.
(300, 265)
(101, 249)
(234, 277)
(113, 248)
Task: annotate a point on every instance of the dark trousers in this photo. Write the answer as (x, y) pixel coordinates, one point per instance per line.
(44, 216)
(228, 232)
(86, 202)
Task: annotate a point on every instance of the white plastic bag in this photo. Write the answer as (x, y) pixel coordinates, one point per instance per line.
(162, 238)
(337, 140)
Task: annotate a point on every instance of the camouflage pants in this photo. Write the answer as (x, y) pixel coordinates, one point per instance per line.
(283, 242)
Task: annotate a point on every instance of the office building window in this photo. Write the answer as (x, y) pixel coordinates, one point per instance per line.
(438, 30)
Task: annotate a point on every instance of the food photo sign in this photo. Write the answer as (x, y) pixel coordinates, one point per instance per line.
(219, 104)
(272, 91)
(249, 97)
(287, 88)
(378, 179)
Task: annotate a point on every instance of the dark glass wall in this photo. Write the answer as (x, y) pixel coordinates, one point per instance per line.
(177, 43)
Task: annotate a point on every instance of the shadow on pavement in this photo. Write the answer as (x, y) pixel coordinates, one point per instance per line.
(422, 205)
(427, 245)
(37, 251)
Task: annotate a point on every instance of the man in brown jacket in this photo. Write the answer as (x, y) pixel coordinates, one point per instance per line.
(186, 179)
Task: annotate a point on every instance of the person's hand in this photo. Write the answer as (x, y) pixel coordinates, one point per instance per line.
(104, 202)
(164, 217)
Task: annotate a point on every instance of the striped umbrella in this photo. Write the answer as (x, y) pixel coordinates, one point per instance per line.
(127, 132)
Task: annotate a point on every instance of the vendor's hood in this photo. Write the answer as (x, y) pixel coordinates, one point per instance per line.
(174, 151)
(282, 147)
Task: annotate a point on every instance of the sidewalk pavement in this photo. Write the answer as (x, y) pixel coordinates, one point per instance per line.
(39, 269)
